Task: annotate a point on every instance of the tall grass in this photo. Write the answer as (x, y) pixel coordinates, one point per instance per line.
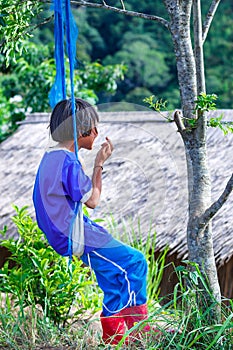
(131, 234)
(30, 329)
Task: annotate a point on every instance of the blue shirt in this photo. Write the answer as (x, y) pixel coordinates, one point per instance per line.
(60, 186)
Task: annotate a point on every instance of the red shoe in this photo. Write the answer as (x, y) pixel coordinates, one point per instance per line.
(138, 313)
(135, 314)
(113, 328)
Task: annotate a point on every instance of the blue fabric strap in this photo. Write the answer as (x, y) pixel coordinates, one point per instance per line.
(71, 38)
(58, 91)
(65, 19)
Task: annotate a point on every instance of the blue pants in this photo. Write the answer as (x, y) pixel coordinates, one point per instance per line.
(121, 274)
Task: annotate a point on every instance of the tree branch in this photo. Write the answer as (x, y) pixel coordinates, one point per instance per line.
(198, 47)
(103, 5)
(45, 21)
(209, 18)
(122, 4)
(214, 208)
(179, 122)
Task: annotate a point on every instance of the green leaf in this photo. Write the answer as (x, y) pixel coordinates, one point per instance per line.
(205, 102)
(2, 21)
(218, 122)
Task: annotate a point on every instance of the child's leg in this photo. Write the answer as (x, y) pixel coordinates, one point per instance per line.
(121, 274)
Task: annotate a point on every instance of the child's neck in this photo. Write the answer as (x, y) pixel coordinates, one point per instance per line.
(67, 144)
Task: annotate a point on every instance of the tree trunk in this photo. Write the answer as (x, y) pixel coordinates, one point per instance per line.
(186, 70)
(199, 237)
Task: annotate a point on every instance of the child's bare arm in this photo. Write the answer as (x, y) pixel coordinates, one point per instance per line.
(103, 154)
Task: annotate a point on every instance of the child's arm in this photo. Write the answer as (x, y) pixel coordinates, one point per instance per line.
(103, 154)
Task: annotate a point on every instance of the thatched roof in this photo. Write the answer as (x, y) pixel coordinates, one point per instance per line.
(145, 177)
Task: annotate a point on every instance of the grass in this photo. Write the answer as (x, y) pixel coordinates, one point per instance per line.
(31, 331)
(28, 329)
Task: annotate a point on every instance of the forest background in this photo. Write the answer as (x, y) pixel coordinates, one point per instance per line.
(120, 59)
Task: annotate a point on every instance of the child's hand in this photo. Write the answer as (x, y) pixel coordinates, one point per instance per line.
(109, 143)
(105, 152)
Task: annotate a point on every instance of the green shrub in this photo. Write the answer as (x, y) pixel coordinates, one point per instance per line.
(42, 277)
(10, 113)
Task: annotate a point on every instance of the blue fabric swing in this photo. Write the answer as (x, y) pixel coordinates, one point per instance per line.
(65, 27)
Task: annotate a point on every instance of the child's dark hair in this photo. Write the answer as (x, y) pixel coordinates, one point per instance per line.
(61, 123)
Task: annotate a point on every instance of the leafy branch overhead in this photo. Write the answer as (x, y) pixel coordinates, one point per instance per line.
(204, 103)
(31, 77)
(16, 25)
(16, 20)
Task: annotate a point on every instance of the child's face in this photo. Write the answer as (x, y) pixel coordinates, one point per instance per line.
(87, 141)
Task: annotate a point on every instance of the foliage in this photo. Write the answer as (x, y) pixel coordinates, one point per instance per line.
(32, 77)
(146, 62)
(134, 237)
(100, 78)
(100, 37)
(205, 102)
(110, 27)
(10, 113)
(39, 276)
(15, 21)
(217, 122)
(157, 105)
(218, 48)
(34, 74)
(189, 299)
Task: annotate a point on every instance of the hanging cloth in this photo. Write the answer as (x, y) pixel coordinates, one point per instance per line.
(58, 91)
(65, 26)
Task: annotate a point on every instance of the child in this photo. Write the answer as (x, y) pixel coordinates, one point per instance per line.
(61, 186)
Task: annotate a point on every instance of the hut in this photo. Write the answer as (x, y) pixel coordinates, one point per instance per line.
(144, 179)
